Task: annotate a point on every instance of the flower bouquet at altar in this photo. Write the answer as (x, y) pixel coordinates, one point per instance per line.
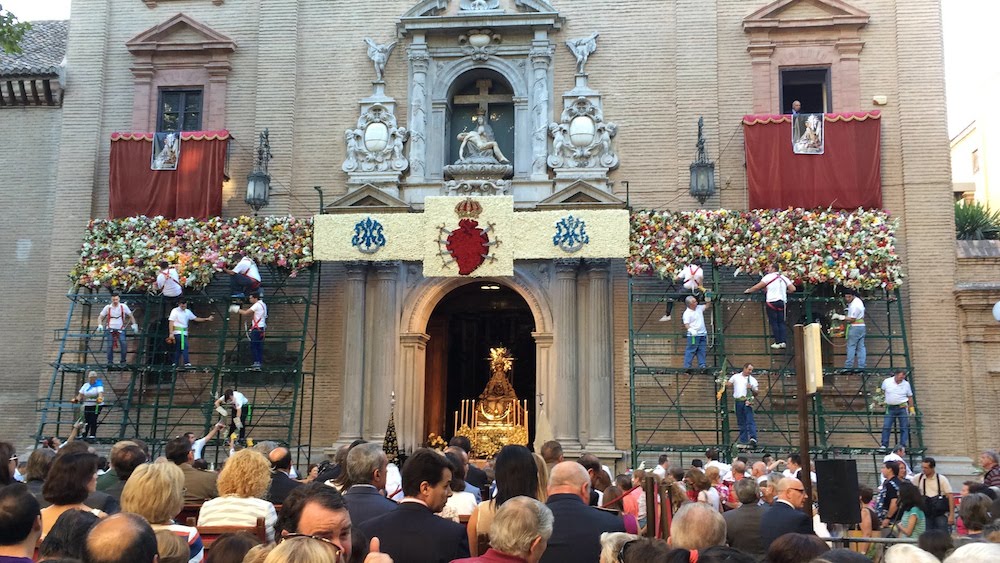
(497, 418)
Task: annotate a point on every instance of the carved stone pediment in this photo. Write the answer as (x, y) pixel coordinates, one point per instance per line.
(443, 15)
(365, 197)
(785, 14)
(180, 34)
(581, 194)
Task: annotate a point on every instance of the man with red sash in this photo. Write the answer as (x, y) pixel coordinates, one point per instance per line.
(777, 287)
(116, 313)
(258, 312)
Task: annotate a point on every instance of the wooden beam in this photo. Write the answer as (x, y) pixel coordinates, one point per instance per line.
(34, 92)
(48, 92)
(24, 92)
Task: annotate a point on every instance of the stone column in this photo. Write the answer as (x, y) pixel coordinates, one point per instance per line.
(419, 61)
(541, 59)
(382, 339)
(563, 402)
(353, 384)
(543, 387)
(410, 390)
(599, 372)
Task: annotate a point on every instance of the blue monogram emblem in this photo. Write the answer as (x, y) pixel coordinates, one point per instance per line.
(571, 234)
(368, 237)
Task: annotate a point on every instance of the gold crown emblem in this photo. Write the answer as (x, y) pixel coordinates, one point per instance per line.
(468, 208)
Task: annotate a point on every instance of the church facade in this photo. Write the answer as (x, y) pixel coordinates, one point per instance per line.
(556, 106)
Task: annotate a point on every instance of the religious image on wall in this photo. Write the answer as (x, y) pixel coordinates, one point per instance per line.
(166, 151)
(497, 418)
(807, 133)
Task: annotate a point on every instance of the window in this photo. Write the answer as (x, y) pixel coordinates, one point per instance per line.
(810, 86)
(179, 110)
(975, 161)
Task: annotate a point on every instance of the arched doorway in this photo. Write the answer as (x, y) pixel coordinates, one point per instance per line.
(462, 328)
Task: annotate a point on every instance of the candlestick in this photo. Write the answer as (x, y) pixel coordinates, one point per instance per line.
(456, 424)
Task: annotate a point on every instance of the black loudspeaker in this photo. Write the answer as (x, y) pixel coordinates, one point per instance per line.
(838, 491)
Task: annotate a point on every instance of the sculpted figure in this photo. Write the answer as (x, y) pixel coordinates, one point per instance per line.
(379, 54)
(482, 140)
(582, 48)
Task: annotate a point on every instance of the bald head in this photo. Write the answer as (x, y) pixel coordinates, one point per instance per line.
(758, 469)
(281, 459)
(569, 477)
(121, 538)
(790, 489)
(697, 525)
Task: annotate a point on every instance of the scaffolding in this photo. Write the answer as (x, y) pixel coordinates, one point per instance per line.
(674, 409)
(150, 398)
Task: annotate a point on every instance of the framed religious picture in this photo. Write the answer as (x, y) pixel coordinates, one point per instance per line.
(807, 133)
(166, 151)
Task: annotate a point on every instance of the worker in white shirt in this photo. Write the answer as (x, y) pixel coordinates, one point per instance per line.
(855, 319)
(692, 277)
(116, 312)
(744, 386)
(898, 404)
(258, 313)
(240, 409)
(245, 278)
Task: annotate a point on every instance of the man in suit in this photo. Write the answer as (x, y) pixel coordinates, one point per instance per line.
(318, 510)
(199, 485)
(576, 533)
(367, 467)
(743, 524)
(413, 533)
(697, 525)
(281, 482)
(784, 516)
(473, 476)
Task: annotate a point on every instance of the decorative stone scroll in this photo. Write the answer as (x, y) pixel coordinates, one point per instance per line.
(479, 43)
(478, 5)
(376, 144)
(582, 139)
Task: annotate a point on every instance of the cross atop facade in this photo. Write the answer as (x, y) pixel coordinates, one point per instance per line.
(483, 99)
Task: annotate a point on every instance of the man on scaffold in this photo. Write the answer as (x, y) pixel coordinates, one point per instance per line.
(778, 287)
(744, 386)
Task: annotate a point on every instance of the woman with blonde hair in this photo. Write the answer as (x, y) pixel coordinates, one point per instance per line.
(155, 491)
(304, 549)
(242, 485)
(543, 477)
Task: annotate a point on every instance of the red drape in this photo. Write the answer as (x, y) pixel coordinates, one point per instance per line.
(847, 175)
(193, 190)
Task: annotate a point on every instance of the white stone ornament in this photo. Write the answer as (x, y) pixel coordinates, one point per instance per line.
(582, 139)
(376, 144)
(996, 311)
(582, 48)
(379, 54)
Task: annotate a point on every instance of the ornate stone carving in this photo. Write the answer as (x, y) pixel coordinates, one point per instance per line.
(541, 59)
(419, 62)
(481, 168)
(582, 48)
(379, 54)
(478, 5)
(582, 139)
(376, 145)
(479, 43)
(479, 146)
(477, 186)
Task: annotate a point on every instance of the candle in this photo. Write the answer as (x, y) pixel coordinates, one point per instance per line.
(456, 424)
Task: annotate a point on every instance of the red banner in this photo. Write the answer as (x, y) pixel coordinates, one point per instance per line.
(848, 175)
(194, 189)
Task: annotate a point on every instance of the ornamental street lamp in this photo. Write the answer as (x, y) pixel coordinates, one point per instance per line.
(259, 181)
(702, 170)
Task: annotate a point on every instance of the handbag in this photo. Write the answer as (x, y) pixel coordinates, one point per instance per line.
(936, 505)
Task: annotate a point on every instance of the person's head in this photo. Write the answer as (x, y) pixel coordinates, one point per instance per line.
(227, 394)
(747, 491)
(691, 302)
(715, 554)
(713, 475)
(890, 469)
(611, 545)
(988, 459)
(697, 526)
(865, 493)
(427, 477)
(899, 376)
(522, 527)
(975, 511)
(696, 480)
(794, 462)
(739, 468)
(71, 478)
(302, 549)
(52, 442)
(464, 443)
(457, 472)
(936, 542)
(246, 474)
(899, 450)
(663, 461)
(552, 452)
(231, 548)
(569, 477)
(155, 491)
(909, 497)
(178, 450)
(121, 538)
(20, 517)
(516, 473)
(281, 459)
(126, 460)
(908, 553)
(613, 499)
(542, 470)
(92, 377)
(697, 464)
(116, 298)
(640, 550)
(39, 463)
(317, 509)
(791, 490)
(976, 552)
(182, 304)
(172, 548)
(677, 473)
(769, 487)
(927, 466)
(367, 465)
(758, 469)
(253, 297)
(747, 368)
(793, 548)
(712, 454)
(67, 535)
(841, 555)
(796, 106)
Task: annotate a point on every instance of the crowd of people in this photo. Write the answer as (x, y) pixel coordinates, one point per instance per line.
(440, 507)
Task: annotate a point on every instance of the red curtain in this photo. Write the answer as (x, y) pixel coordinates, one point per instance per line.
(193, 190)
(847, 175)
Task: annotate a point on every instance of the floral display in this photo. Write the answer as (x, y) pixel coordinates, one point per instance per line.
(877, 400)
(855, 249)
(122, 254)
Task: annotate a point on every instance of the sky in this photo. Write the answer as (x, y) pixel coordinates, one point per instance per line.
(971, 43)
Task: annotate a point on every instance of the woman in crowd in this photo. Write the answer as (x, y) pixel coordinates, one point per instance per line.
(155, 491)
(913, 521)
(516, 475)
(795, 548)
(232, 548)
(868, 528)
(461, 502)
(170, 547)
(39, 463)
(611, 545)
(715, 554)
(71, 479)
(67, 536)
(543, 477)
(7, 452)
(721, 488)
(701, 489)
(936, 542)
(975, 513)
(614, 498)
(242, 485)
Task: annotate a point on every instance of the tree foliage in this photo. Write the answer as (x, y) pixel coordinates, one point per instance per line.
(11, 31)
(975, 221)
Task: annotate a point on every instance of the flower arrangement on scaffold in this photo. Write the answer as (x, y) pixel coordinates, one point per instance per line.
(497, 418)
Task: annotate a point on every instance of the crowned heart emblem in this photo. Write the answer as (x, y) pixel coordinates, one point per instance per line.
(469, 244)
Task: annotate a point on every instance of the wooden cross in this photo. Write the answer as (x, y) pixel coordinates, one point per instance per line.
(483, 99)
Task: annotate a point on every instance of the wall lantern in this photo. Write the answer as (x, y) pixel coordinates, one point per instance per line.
(259, 181)
(702, 170)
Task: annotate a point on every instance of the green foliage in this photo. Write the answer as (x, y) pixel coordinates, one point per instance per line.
(11, 31)
(975, 221)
